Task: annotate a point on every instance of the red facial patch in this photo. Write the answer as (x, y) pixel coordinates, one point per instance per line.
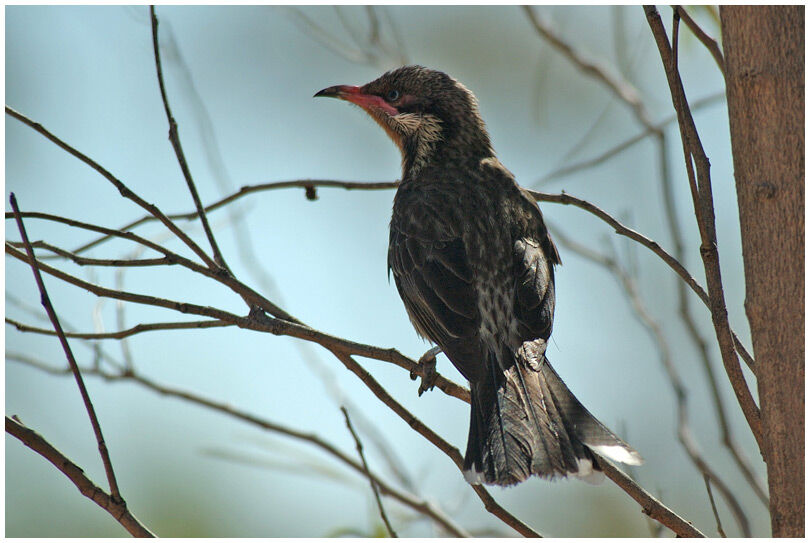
(366, 101)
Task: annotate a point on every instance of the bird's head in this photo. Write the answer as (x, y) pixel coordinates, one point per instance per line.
(429, 115)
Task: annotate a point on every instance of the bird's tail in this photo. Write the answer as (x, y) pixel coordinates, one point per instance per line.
(526, 422)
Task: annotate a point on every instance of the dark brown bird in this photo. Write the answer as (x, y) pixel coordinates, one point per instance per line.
(474, 265)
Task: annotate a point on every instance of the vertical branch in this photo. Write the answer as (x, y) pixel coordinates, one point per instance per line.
(374, 489)
(46, 302)
(174, 138)
(700, 185)
(714, 506)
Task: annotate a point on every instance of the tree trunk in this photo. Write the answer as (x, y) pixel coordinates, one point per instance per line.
(764, 65)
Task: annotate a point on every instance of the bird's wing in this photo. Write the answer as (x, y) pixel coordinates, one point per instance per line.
(534, 289)
(534, 256)
(435, 282)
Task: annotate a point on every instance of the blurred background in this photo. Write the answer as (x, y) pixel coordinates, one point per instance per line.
(240, 81)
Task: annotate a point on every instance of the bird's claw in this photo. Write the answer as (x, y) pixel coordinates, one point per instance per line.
(426, 368)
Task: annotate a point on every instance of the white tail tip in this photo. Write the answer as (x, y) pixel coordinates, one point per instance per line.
(619, 454)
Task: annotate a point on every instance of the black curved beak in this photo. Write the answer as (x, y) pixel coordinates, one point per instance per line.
(338, 91)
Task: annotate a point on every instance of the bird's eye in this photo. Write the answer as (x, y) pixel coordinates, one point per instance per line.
(392, 95)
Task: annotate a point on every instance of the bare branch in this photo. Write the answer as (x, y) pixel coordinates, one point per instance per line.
(704, 212)
(249, 295)
(174, 138)
(46, 302)
(368, 474)
(114, 506)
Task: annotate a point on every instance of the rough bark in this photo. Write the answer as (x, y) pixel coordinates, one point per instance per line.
(764, 52)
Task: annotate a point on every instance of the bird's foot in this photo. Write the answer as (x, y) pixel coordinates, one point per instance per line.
(427, 370)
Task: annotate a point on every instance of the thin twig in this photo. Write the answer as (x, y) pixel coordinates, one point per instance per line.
(627, 93)
(174, 138)
(46, 302)
(85, 261)
(121, 334)
(714, 506)
(618, 87)
(705, 39)
(122, 188)
(114, 506)
(684, 304)
(700, 184)
(362, 455)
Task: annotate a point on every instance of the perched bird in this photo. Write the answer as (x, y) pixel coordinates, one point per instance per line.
(474, 265)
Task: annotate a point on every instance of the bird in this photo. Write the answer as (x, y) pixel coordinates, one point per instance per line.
(474, 264)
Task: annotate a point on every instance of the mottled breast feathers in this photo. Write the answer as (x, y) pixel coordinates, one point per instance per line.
(439, 270)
